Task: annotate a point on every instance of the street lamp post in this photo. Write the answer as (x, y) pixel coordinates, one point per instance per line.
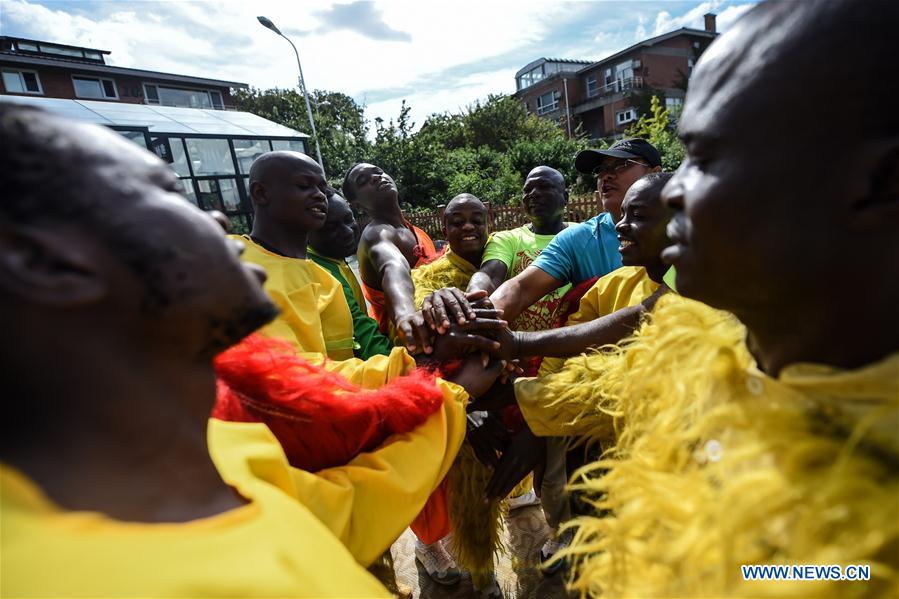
(269, 25)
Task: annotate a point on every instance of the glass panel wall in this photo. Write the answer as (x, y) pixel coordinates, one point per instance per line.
(213, 171)
(209, 197)
(293, 145)
(136, 137)
(210, 156)
(189, 98)
(247, 150)
(230, 195)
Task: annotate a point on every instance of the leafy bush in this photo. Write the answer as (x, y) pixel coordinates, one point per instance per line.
(657, 128)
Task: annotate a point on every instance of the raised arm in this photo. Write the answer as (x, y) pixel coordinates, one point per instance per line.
(575, 339)
(515, 295)
(393, 271)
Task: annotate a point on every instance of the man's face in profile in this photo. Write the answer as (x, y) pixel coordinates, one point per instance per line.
(191, 284)
(751, 220)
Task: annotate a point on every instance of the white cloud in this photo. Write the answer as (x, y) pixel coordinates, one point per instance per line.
(729, 15)
(223, 40)
(429, 101)
(458, 52)
(664, 22)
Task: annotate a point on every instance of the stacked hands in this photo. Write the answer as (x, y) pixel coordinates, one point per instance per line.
(453, 324)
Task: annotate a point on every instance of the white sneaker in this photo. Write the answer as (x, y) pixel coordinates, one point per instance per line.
(551, 547)
(528, 499)
(437, 562)
(491, 591)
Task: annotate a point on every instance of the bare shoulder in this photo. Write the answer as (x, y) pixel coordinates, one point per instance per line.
(375, 233)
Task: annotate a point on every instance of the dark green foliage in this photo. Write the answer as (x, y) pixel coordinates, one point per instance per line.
(486, 150)
(340, 123)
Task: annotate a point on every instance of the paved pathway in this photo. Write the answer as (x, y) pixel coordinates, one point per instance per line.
(524, 532)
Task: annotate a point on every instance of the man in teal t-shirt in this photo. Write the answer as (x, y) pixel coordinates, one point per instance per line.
(327, 247)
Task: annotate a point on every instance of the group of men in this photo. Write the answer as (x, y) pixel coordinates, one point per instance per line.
(747, 408)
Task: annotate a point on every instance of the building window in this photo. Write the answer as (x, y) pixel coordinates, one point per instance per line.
(291, 145)
(209, 156)
(607, 77)
(247, 150)
(625, 116)
(548, 102)
(531, 77)
(624, 75)
(216, 98)
(592, 86)
(671, 103)
(26, 47)
(60, 51)
(22, 82)
(183, 97)
(92, 87)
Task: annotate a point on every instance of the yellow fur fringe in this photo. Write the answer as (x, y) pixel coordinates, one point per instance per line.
(476, 527)
(447, 271)
(706, 476)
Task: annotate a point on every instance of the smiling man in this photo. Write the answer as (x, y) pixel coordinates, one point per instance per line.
(609, 311)
(772, 439)
(465, 227)
(589, 249)
(288, 193)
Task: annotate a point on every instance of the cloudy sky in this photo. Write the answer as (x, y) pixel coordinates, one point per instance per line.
(439, 56)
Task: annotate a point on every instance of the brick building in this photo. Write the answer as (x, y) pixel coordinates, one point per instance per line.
(187, 121)
(602, 97)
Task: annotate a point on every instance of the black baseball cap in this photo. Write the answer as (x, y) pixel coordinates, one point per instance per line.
(634, 148)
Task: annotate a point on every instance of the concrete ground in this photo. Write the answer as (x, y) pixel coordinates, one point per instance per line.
(524, 533)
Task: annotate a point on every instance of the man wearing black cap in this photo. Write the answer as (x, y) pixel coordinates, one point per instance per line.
(616, 169)
(588, 250)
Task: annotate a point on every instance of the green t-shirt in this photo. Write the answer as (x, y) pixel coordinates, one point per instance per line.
(517, 249)
(368, 340)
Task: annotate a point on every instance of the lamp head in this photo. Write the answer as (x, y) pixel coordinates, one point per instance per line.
(267, 23)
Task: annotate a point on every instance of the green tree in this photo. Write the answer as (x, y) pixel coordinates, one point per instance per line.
(501, 121)
(656, 127)
(558, 153)
(484, 172)
(339, 121)
(446, 130)
(487, 149)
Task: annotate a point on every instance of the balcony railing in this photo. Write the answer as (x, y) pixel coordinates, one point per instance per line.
(619, 85)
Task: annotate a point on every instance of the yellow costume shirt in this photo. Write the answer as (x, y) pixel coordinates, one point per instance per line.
(621, 288)
(450, 270)
(718, 465)
(314, 314)
(272, 547)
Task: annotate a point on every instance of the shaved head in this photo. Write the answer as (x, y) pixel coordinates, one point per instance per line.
(464, 199)
(277, 163)
(758, 130)
(547, 171)
(798, 49)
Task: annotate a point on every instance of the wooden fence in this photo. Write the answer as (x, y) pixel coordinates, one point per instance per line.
(502, 217)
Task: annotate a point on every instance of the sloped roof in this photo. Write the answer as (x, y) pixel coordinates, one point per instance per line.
(161, 119)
